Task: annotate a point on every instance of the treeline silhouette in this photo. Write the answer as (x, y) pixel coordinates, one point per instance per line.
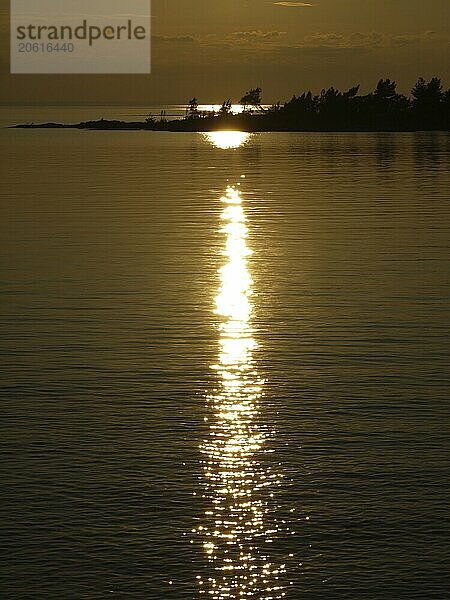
(384, 109)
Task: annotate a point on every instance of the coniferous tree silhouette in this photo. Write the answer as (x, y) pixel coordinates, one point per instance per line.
(252, 98)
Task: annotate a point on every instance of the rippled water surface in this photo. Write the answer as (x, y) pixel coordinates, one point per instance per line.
(224, 365)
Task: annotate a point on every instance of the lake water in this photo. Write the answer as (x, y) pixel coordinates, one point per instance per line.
(225, 365)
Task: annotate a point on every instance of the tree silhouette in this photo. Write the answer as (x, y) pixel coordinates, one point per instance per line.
(252, 98)
(225, 109)
(193, 112)
(429, 107)
(385, 90)
(383, 109)
(352, 92)
(427, 93)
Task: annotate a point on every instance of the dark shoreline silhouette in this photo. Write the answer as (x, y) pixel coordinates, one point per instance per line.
(428, 109)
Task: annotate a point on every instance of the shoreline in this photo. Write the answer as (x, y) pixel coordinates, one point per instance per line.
(245, 123)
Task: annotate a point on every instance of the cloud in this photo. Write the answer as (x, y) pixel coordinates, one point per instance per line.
(369, 40)
(274, 49)
(174, 39)
(255, 38)
(272, 41)
(257, 35)
(295, 4)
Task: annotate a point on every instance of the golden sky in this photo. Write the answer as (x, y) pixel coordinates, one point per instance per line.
(218, 48)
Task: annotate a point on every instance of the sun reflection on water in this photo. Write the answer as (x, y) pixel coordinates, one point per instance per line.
(239, 526)
(227, 140)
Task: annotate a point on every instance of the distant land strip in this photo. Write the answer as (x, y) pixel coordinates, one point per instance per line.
(427, 109)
